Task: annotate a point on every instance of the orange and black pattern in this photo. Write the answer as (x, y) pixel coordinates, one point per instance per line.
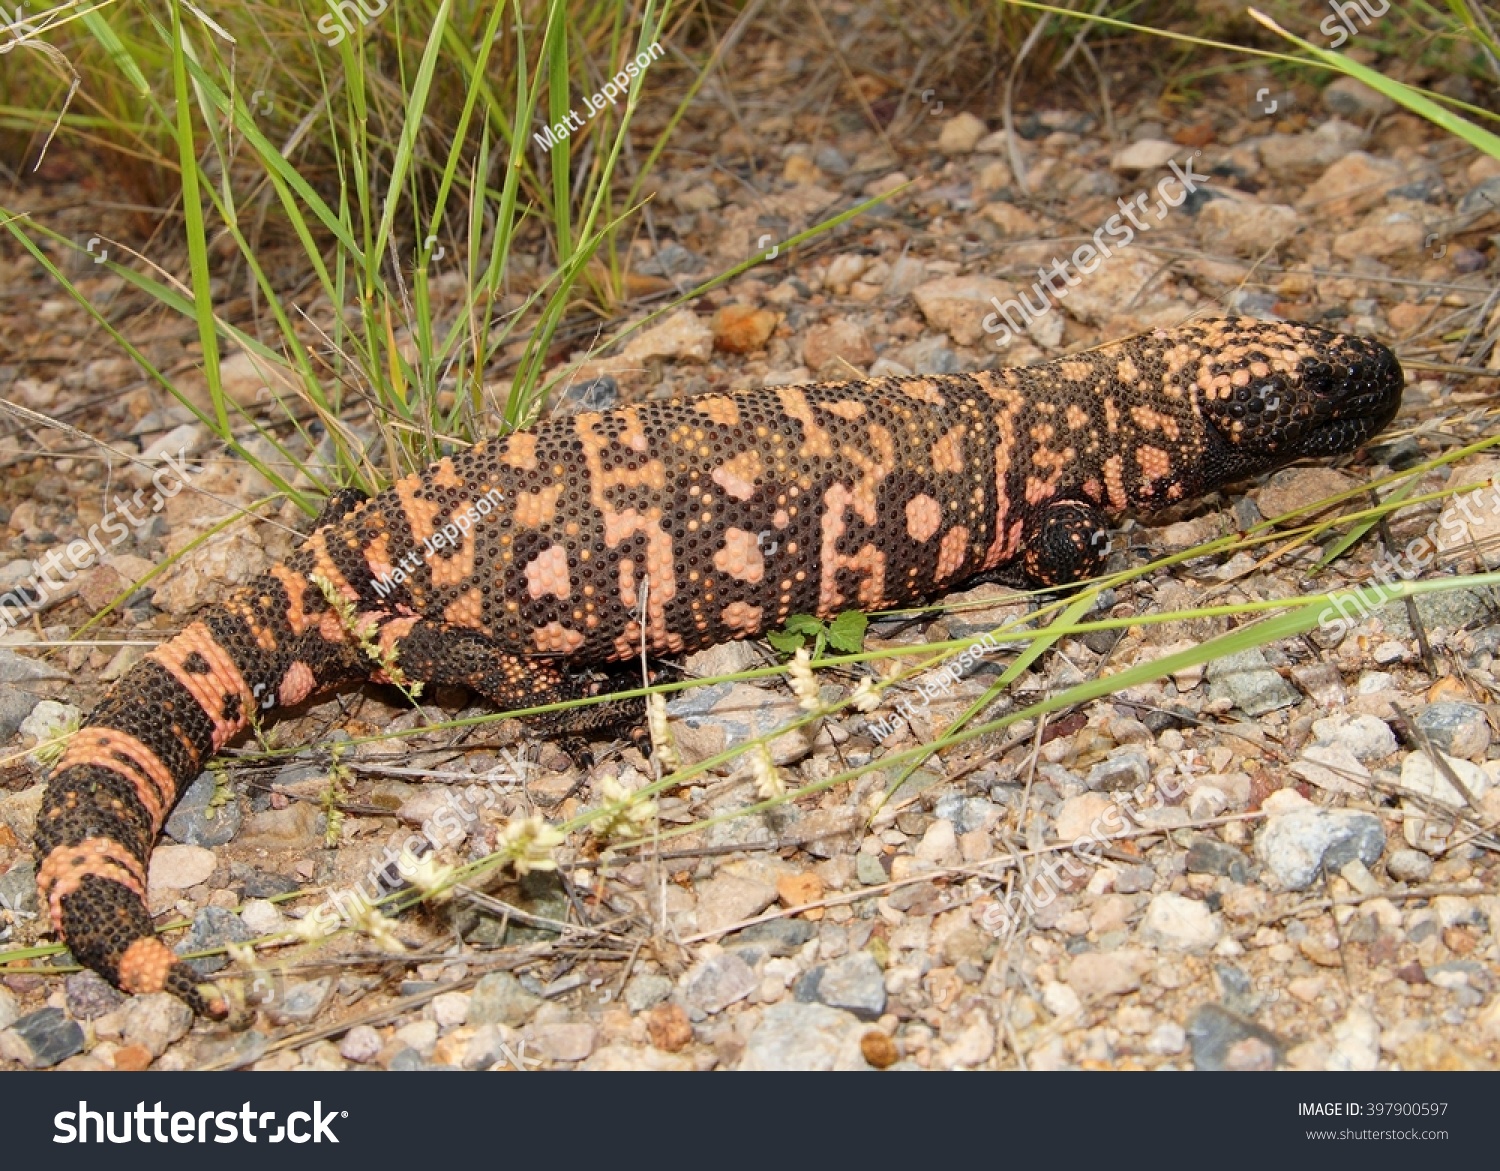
(522, 566)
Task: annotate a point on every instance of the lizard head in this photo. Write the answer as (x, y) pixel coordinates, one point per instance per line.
(1319, 394)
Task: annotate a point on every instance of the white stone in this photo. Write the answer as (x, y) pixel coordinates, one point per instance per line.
(1180, 923)
(180, 867)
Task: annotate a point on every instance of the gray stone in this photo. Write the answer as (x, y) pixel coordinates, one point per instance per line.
(10, 1011)
(18, 889)
(1131, 880)
(15, 706)
(1221, 1040)
(829, 159)
(1348, 97)
(194, 823)
(16, 669)
(868, 870)
(1480, 201)
(212, 927)
(262, 884)
(777, 937)
(155, 1021)
(597, 394)
(19, 679)
(408, 1060)
(793, 1036)
(716, 983)
(645, 990)
(90, 996)
(1208, 855)
(1250, 683)
(499, 999)
(966, 813)
(1124, 768)
(854, 983)
(1451, 610)
(39, 1040)
(671, 258)
(1459, 729)
(300, 1003)
(1296, 845)
(1409, 866)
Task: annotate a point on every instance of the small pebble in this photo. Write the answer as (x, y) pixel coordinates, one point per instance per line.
(855, 983)
(499, 999)
(796, 1036)
(1459, 729)
(360, 1044)
(196, 822)
(41, 1039)
(563, 1041)
(1296, 845)
(878, 1049)
(717, 982)
(645, 990)
(1221, 1040)
(300, 1003)
(155, 1021)
(1180, 923)
(88, 995)
(1407, 865)
(450, 1009)
(212, 927)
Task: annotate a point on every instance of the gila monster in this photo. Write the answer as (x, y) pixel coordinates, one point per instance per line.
(521, 566)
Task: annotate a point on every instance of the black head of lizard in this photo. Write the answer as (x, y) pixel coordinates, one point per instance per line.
(1319, 394)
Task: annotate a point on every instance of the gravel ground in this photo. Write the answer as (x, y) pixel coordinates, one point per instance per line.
(1260, 864)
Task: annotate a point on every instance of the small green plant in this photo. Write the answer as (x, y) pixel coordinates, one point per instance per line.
(223, 793)
(363, 631)
(846, 634)
(333, 794)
